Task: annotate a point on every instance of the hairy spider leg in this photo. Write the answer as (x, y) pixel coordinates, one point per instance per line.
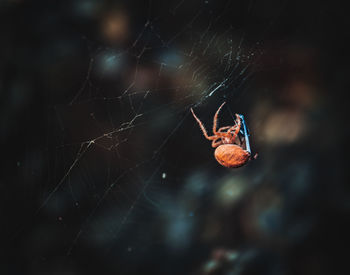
(202, 127)
(223, 128)
(246, 135)
(205, 131)
(234, 135)
(217, 142)
(236, 128)
(216, 119)
(227, 133)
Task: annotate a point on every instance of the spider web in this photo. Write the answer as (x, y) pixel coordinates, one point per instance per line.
(120, 137)
(105, 169)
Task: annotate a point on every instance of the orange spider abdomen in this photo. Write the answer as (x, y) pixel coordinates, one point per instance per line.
(231, 155)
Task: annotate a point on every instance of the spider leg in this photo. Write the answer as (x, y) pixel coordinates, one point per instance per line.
(223, 128)
(205, 131)
(203, 128)
(222, 133)
(238, 127)
(216, 143)
(230, 128)
(216, 119)
(228, 132)
(232, 135)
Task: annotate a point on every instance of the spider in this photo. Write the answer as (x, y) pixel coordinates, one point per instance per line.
(229, 150)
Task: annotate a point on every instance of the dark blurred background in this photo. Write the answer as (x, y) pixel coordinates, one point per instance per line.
(104, 170)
